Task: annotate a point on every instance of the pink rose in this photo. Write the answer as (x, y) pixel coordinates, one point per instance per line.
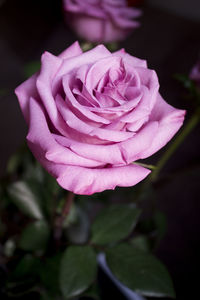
(195, 74)
(101, 21)
(92, 114)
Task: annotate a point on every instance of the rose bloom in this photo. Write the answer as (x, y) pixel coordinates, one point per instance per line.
(92, 114)
(101, 21)
(195, 74)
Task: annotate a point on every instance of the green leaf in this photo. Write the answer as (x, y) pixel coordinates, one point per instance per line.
(114, 223)
(139, 271)
(49, 274)
(24, 198)
(35, 236)
(27, 267)
(78, 270)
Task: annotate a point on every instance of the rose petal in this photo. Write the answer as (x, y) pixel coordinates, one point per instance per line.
(54, 169)
(135, 126)
(130, 12)
(106, 154)
(149, 79)
(131, 60)
(82, 127)
(169, 120)
(70, 99)
(133, 148)
(40, 136)
(143, 108)
(117, 3)
(99, 69)
(118, 153)
(85, 181)
(71, 51)
(86, 7)
(87, 27)
(122, 17)
(24, 92)
(86, 58)
(112, 33)
(124, 108)
(49, 67)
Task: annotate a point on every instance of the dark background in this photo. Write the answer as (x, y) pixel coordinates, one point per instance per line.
(169, 40)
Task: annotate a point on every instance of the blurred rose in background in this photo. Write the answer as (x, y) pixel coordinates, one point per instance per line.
(195, 73)
(101, 21)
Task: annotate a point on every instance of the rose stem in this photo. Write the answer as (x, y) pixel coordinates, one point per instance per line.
(60, 219)
(190, 125)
